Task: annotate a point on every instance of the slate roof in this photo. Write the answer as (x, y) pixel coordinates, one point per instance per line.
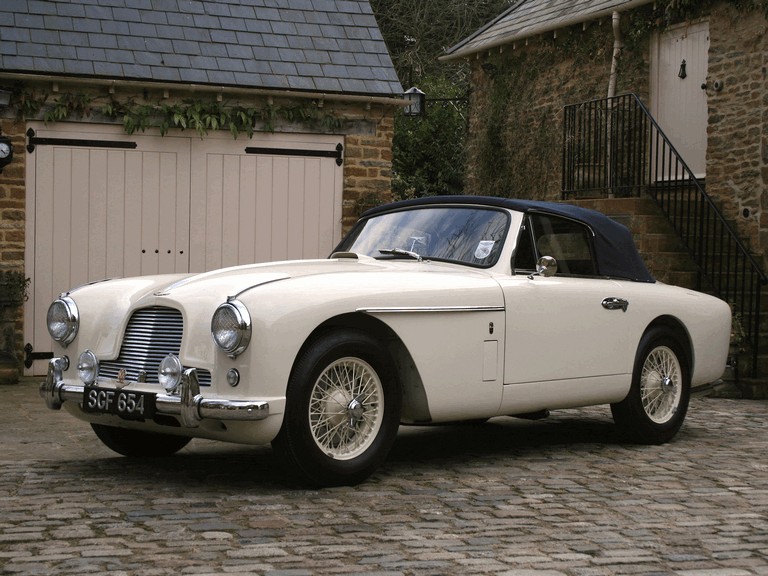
(529, 18)
(329, 46)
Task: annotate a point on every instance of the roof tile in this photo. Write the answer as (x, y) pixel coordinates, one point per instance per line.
(75, 10)
(74, 38)
(29, 49)
(108, 69)
(51, 22)
(48, 65)
(38, 7)
(166, 74)
(154, 17)
(78, 67)
(249, 39)
(142, 30)
(16, 35)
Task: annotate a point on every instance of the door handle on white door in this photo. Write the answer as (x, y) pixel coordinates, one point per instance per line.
(615, 304)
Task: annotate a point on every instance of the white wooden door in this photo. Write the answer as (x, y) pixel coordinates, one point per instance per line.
(679, 61)
(100, 206)
(103, 204)
(264, 199)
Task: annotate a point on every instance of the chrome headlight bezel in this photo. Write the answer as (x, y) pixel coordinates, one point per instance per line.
(63, 320)
(231, 327)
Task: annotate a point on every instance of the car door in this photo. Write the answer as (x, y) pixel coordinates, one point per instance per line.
(570, 325)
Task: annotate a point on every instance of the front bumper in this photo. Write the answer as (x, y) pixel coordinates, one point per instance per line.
(189, 405)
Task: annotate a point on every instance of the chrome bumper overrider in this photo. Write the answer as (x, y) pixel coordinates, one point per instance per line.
(190, 406)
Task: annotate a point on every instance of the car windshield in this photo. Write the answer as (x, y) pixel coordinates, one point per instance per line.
(467, 235)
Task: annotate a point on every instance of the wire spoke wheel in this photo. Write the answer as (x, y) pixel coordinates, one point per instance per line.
(342, 411)
(661, 384)
(345, 408)
(655, 406)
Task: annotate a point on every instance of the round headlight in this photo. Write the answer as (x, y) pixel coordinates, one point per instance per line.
(63, 320)
(231, 327)
(88, 367)
(169, 372)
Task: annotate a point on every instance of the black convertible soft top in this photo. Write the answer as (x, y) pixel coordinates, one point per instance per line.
(615, 250)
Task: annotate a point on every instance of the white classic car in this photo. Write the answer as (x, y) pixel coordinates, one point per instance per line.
(434, 310)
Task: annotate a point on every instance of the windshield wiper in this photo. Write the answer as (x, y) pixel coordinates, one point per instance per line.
(401, 252)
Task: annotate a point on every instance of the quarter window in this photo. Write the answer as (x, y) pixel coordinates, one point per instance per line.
(567, 241)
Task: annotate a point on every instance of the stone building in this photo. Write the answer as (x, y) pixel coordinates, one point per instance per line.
(700, 69)
(181, 135)
(542, 55)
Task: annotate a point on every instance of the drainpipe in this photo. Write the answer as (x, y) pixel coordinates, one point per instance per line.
(618, 45)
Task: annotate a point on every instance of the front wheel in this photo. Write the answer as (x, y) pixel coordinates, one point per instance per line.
(343, 410)
(657, 402)
(137, 443)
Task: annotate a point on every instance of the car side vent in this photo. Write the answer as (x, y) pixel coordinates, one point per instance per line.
(151, 334)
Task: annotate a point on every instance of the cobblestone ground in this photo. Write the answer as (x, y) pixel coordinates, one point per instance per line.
(563, 496)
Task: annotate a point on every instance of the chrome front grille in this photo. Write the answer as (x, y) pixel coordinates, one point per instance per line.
(151, 334)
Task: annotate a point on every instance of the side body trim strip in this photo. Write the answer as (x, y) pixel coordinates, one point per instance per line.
(428, 309)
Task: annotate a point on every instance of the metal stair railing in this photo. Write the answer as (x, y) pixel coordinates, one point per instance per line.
(614, 147)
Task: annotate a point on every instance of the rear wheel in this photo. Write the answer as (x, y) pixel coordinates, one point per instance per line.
(137, 443)
(657, 402)
(343, 410)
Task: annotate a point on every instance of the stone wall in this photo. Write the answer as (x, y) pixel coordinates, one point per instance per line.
(367, 168)
(12, 199)
(516, 112)
(737, 145)
(12, 230)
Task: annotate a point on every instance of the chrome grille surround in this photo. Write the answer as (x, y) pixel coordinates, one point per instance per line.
(151, 334)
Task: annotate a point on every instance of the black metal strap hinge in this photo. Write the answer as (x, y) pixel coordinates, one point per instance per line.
(33, 141)
(337, 153)
(30, 357)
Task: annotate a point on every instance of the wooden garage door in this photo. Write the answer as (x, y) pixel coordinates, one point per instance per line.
(264, 199)
(104, 204)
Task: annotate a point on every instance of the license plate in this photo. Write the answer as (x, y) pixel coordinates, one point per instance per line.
(126, 404)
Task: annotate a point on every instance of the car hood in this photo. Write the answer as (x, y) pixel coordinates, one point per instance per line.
(339, 284)
(218, 285)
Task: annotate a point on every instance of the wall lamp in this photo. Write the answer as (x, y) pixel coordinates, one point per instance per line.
(417, 100)
(6, 147)
(6, 152)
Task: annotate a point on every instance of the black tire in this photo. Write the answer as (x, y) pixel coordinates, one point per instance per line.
(342, 411)
(139, 444)
(654, 409)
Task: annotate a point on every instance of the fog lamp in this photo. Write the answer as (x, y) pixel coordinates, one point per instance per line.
(88, 368)
(169, 373)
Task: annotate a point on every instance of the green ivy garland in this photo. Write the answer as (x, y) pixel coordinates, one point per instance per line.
(200, 115)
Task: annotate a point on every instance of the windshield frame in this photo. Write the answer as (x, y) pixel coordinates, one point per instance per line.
(347, 243)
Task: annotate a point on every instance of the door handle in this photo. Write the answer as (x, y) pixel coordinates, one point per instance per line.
(615, 304)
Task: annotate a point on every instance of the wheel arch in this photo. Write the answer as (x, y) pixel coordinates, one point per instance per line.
(678, 330)
(415, 405)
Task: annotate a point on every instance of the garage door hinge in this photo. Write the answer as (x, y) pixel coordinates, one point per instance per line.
(337, 153)
(30, 357)
(33, 141)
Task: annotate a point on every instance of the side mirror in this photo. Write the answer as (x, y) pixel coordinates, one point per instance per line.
(546, 266)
